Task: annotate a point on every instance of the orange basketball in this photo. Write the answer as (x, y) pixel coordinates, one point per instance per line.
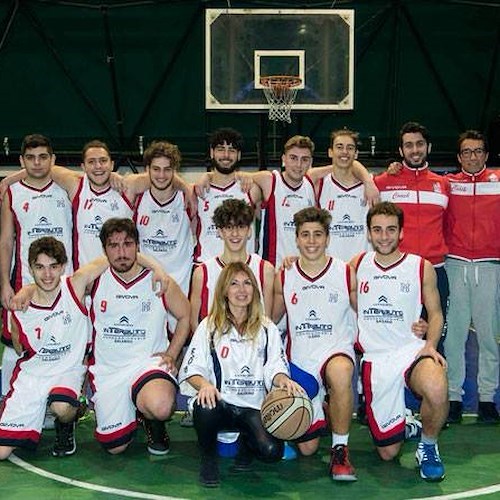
(286, 417)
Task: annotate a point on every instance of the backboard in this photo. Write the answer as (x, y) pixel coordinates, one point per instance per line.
(243, 45)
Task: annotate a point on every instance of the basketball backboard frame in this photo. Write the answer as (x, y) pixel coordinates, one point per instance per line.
(233, 57)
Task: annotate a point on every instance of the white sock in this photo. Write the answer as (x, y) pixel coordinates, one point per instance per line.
(339, 439)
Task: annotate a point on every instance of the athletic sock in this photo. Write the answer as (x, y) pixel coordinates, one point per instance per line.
(339, 439)
(428, 440)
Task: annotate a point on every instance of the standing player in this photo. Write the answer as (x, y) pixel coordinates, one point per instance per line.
(233, 220)
(283, 195)
(315, 293)
(225, 153)
(32, 207)
(473, 269)
(341, 193)
(93, 200)
(51, 337)
(161, 216)
(129, 331)
(392, 286)
(423, 196)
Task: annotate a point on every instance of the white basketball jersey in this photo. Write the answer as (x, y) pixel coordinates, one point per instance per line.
(209, 244)
(211, 270)
(90, 211)
(165, 234)
(37, 213)
(277, 235)
(129, 322)
(54, 337)
(319, 313)
(389, 302)
(348, 210)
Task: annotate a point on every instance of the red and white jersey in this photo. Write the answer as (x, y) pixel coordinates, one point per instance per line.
(319, 314)
(211, 270)
(472, 231)
(389, 302)
(165, 234)
(37, 213)
(242, 369)
(277, 235)
(90, 211)
(53, 337)
(423, 196)
(128, 320)
(348, 209)
(209, 244)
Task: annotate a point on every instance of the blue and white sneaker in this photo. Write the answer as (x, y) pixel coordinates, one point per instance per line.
(429, 462)
(289, 452)
(413, 427)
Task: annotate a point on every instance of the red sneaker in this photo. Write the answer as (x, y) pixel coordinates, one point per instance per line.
(340, 467)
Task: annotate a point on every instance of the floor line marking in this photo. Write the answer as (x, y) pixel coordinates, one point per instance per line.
(89, 486)
(488, 490)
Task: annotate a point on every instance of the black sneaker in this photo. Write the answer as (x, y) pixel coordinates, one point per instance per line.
(156, 433)
(244, 458)
(65, 444)
(487, 413)
(209, 472)
(455, 412)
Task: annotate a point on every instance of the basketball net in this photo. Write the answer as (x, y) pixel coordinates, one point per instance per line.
(280, 92)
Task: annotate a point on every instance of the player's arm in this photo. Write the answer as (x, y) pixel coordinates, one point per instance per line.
(372, 194)
(66, 178)
(432, 305)
(16, 343)
(317, 173)
(87, 274)
(195, 296)
(178, 305)
(353, 288)
(279, 299)
(353, 297)
(264, 180)
(11, 179)
(23, 297)
(268, 288)
(7, 233)
(130, 185)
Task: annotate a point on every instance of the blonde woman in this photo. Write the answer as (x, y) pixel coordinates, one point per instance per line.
(234, 359)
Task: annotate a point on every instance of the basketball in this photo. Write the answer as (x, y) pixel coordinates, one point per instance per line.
(286, 417)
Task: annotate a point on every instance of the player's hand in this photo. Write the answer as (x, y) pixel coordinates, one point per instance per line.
(419, 328)
(117, 182)
(160, 280)
(245, 180)
(208, 395)
(202, 185)
(394, 168)
(19, 302)
(282, 381)
(7, 295)
(168, 361)
(288, 261)
(371, 194)
(430, 351)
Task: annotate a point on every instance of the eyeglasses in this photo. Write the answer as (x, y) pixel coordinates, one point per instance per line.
(467, 153)
(40, 157)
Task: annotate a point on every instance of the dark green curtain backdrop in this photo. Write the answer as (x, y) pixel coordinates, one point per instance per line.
(117, 70)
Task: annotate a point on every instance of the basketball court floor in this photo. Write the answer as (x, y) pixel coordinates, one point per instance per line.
(470, 451)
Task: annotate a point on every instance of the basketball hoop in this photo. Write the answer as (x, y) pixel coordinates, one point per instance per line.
(280, 92)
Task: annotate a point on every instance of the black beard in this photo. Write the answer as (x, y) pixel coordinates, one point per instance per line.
(224, 171)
